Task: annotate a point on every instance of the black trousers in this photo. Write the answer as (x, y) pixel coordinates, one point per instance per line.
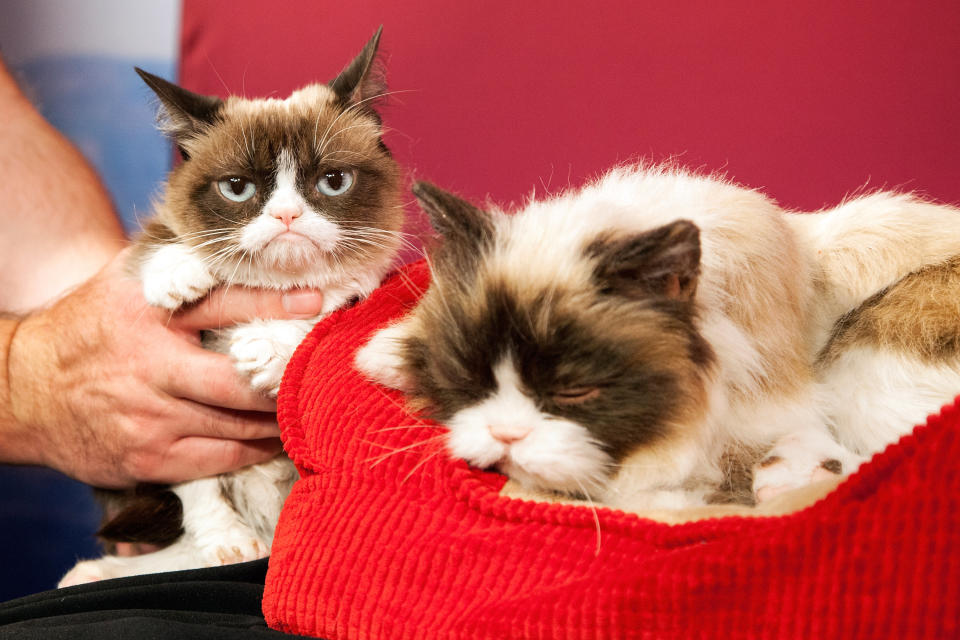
(217, 603)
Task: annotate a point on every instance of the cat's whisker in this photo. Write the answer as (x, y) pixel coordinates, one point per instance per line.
(246, 143)
(226, 289)
(322, 152)
(144, 310)
(390, 399)
(357, 243)
(404, 427)
(223, 237)
(211, 211)
(221, 256)
(356, 105)
(331, 155)
(353, 107)
(378, 459)
(422, 462)
(410, 283)
(202, 233)
(593, 509)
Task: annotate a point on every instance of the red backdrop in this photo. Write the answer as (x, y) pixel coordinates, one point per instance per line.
(807, 100)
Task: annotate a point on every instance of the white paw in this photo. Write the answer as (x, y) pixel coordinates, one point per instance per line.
(262, 350)
(381, 359)
(234, 547)
(173, 276)
(797, 460)
(83, 573)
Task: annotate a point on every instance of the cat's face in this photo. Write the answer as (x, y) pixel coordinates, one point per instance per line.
(552, 381)
(288, 185)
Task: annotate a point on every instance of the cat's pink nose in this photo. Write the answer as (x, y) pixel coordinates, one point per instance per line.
(508, 433)
(286, 215)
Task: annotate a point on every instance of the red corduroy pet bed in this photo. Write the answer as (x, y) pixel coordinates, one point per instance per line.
(412, 546)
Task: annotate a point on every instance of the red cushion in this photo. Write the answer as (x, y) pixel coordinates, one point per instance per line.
(385, 537)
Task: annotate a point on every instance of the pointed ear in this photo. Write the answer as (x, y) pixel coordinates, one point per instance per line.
(183, 113)
(362, 81)
(661, 262)
(453, 218)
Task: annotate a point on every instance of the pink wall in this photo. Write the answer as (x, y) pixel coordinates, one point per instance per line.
(809, 101)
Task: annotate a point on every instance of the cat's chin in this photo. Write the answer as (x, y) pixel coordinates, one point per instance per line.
(548, 482)
(290, 253)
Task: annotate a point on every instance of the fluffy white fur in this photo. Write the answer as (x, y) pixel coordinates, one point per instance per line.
(174, 275)
(540, 450)
(772, 285)
(872, 395)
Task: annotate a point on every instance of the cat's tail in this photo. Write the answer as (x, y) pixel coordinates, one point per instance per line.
(869, 243)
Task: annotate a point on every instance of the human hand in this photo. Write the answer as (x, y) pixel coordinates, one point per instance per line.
(112, 391)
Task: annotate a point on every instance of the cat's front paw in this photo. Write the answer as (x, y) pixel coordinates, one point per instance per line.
(797, 460)
(173, 276)
(262, 350)
(84, 573)
(234, 547)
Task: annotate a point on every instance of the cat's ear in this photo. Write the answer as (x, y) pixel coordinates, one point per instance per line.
(184, 113)
(363, 80)
(664, 261)
(452, 217)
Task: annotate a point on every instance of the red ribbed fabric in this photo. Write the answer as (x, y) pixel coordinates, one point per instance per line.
(384, 537)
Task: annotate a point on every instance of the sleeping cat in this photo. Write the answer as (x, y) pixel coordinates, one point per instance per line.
(625, 341)
(272, 193)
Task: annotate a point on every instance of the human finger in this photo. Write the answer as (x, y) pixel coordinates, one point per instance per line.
(210, 379)
(227, 306)
(199, 457)
(225, 424)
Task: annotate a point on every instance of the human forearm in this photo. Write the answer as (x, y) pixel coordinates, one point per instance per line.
(15, 444)
(59, 226)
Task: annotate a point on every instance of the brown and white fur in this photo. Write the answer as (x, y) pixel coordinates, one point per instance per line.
(623, 341)
(271, 193)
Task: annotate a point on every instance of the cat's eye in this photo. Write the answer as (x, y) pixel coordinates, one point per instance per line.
(575, 395)
(237, 189)
(335, 182)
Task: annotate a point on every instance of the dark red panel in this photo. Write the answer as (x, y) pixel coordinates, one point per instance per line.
(809, 101)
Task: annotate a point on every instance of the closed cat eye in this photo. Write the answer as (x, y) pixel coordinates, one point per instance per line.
(237, 189)
(335, 182)
(576, 395)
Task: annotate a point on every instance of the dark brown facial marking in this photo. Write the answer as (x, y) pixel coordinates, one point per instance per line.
(617, 369)
(576, 395)
(770, 461)
(833, 466)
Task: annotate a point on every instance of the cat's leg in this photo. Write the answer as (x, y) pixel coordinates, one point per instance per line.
(178, 556)
(258, 492)
(800, 458)
(793, 443)
(174, 275)
(213, 527)
(262, 349)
